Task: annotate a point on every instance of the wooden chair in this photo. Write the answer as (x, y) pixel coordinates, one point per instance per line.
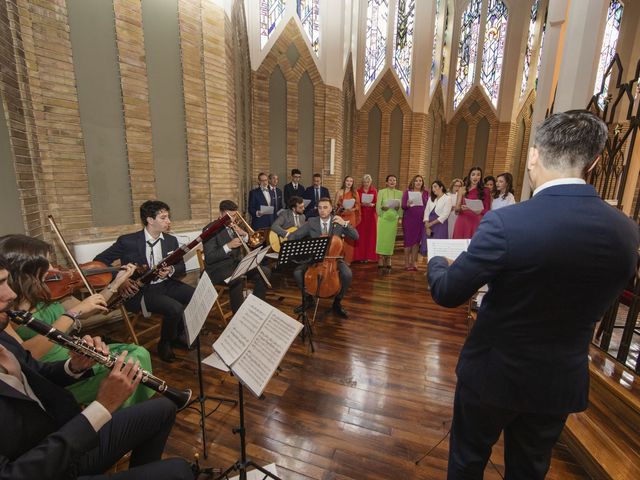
(222, 290)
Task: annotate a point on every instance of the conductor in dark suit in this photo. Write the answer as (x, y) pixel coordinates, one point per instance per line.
(314, 193)
(47, 436)
(258, 197)
(165, 296)
(553, 264)
(222, 254)
(326, 224)
(294, 187)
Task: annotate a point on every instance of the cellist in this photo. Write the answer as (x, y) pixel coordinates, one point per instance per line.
(325, 224)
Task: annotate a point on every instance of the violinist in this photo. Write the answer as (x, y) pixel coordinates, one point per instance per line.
(326, 224)
(165, 296)
(222, 253)
(28, 263)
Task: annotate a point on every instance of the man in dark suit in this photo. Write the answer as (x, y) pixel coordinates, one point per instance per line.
(276, 194)
(222, 253)
(165, 296)
(47, 436)
(322, 225)
(261, 197)
(314, 193)
(553, 264)
(291, 217)
(293, 188)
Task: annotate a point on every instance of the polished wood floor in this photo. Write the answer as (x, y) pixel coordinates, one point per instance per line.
(374, 397)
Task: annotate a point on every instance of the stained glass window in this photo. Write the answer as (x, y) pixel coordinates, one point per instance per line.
(544, 29)
(403, 39)
(467, 50)
(611, 32)
(527, 54)
(375, 40)
(435, 40)
(308, 13)
(271, 12)
(445, 47)
(495, 34)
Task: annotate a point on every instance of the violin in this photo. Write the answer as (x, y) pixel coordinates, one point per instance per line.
(326, 275)
(62, 281)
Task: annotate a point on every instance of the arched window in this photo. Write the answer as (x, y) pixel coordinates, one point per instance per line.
(495, 34)
(533, 18)
(308, 11)
(544, 29)
(271, 12)
(375, 40)
(608, 50)
(435, 40)
(444, 64)
(403, 41)
(467, 50)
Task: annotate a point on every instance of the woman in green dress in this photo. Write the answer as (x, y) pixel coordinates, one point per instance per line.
(388, 221)
(28, 264)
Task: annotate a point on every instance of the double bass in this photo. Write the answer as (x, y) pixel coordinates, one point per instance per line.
(323, 279)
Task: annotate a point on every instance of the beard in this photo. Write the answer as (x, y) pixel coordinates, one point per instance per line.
(4, 321)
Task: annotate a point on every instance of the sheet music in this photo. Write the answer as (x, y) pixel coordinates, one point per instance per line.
(306, 202)
(416, 199)
(392, 203)
(349, 203)
(215, 361)
(242, 328)
(266, 209)
(475, 206)
(196, 312)
(250, 261)
(446, 248)
(367, 198)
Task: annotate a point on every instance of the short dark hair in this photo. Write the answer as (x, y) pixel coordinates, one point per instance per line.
(293, 201)
(228, 206)
(295, 171)
(389, 176)
(151, 208)
(317, 175)
(326, 199)
(261, 174)
(570, 140)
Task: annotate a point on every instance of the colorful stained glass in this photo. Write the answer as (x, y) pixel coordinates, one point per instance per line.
(375, 40)
(533, 18)
(445, 47)
(271, 12)
(403, 41)
(608, 50)
(435, 40)
(544, 29)
(495, 34)
(309, 16)
(467, 50)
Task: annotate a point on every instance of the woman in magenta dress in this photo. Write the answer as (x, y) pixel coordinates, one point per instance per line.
(365, 248)
(473, 189)
(412, 225)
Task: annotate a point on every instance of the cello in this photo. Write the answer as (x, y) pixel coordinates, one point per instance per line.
(323, 279)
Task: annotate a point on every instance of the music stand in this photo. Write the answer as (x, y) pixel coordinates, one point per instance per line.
(303, 253)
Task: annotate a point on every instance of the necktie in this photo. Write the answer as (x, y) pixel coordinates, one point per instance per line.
(325, 230)
(295, 219)
(152, 260)
(317, 196)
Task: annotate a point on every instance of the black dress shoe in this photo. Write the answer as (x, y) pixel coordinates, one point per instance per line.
(165, 352)
(181, 342)
(337, 308)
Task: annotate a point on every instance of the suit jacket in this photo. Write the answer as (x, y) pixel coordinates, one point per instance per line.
(219, 263)
(286, 220)
(289, 192)
(313, 229)
(553, 264)
(256, 199)
(40, 443)
(132, 248)
(309, 194)
(276, 200)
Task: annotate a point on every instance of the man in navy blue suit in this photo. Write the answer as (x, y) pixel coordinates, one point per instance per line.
(553, 265)
(314, 193)
(165, 296)
(259, 197)
(276, 195)
(294, 188)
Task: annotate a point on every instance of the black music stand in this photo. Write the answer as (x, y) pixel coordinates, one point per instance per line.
(304, 253)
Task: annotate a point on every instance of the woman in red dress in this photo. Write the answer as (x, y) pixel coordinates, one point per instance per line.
(468, 218)
(352, 214)
(365, 249)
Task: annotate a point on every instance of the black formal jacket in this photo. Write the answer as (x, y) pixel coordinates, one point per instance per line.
(553, 264)
(218, 263)
(311, 210)
(289, 192)
(131, 248)
(36, 443)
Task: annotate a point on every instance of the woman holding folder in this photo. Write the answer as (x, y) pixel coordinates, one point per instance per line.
(474, 200)
(348, 207)
(388, 209)
(414, 200)
(365, 250)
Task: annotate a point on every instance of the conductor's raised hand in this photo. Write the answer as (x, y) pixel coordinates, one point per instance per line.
(120, 384)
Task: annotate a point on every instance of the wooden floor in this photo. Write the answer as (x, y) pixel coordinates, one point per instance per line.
(375, 396)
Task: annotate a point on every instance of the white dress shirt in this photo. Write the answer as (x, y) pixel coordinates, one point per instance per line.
(442, 206)
(157, 252)
(267, 195)
(559, 181)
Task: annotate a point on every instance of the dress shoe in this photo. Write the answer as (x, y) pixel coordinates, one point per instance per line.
(165, 352)
(337, 308)
(181, 342)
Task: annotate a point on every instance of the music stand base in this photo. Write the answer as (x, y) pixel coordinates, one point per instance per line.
(241, 468)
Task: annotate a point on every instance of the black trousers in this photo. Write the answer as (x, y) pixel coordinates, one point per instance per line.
(218, 275)
(344, 273)
(168, 298)
(528, 439)
(142, 429)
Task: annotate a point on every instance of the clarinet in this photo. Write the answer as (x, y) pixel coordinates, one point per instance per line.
(179, 397)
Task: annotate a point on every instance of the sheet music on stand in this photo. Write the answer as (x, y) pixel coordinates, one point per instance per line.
(310, 250)
(250, 261)
(196, 312)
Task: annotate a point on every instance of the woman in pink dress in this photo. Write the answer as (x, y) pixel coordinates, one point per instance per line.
(365, 249)
(468, 219)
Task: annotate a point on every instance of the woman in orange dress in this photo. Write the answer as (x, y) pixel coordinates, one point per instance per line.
(352, 214)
